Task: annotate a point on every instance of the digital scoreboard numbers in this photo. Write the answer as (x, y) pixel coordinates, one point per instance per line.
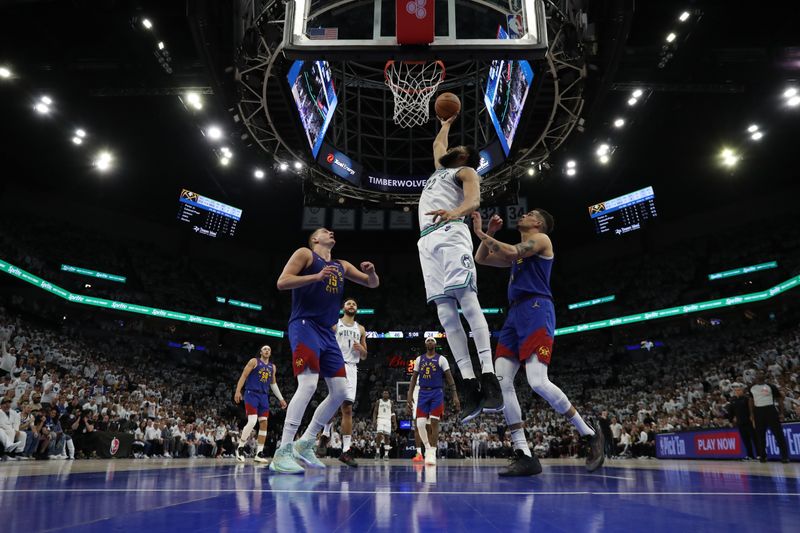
(625, 213)
(206, 216)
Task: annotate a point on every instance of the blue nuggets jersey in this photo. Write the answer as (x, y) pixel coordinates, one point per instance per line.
(260, 378)
(431, 371)
(319, 302)
(530, 276)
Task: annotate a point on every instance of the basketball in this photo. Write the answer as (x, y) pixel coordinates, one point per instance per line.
(447, 105)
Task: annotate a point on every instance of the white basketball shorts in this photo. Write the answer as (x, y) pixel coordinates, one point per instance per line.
(352, 381)
(385, 426)
(445, 255)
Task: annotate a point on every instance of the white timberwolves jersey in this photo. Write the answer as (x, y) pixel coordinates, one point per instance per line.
(384, 409)
(347, 336)
(443, 190)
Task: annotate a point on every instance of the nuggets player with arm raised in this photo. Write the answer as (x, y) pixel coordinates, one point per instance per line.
(527, 335)
(445, 255)
(430, 372)
(352, 339)
(317, 284)
(384, 420)
(257, 379)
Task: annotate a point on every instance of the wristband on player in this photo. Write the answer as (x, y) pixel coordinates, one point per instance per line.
(276, 391)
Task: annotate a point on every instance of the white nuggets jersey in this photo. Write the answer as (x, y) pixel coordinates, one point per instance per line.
(347, 336)
(443, 190)
(384, 409)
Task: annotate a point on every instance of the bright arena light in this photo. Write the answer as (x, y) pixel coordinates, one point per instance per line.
(147, 24)
(604, 159)
(194, 100)
(298, 165)
(684, 16)
(756, 136)
(638, 93)
(603, 150)
(41, 108)
(793, 101)
(619, 123)
(46, 100)
(752, 128)
(284, 166)
(258, 174)
(571, 164)
(214, 133)
(226, 152)
(632, 101)
(160, 45)
(571, 172)
(5, 72)
(729, 157)
(531, 172)
(671, 37)
(103, 161)
(77, 140)
(80, 133)
(790, 92)
(224, 161)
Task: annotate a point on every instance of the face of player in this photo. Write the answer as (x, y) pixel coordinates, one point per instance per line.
(350, 308)
(265, 352)
(430, 345)
(386, 395)
(530, 220)
(454, 157)
(324, 237)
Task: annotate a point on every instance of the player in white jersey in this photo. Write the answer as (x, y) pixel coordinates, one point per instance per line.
(445, 254)
(385, 421)
(352, 340)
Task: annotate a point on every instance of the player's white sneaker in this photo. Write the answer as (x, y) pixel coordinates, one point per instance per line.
(284, 462)
(430, 457)
(304, 450)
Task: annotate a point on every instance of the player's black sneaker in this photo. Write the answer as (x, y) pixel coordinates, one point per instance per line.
(491, 395)
(595, 448)
(470, 400)
(348, 459)
(522, 465)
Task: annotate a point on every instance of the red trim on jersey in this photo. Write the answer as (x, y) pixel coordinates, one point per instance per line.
(253, 410)
(539, 343)
(504, 351)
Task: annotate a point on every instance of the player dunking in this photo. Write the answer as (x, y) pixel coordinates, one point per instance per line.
(352, 339)
(384, 420)
(445, 254)
(317, 284)
(258, 378)
(527, 335)
(430, 372)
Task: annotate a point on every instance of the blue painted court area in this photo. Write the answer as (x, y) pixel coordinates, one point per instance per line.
(205, 496)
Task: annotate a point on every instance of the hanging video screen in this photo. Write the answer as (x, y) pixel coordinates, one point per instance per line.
(315, 98)
(207, 216)
(506, 91)
(624, 214)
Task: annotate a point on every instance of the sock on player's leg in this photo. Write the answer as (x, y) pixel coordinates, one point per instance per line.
(306, 386)
(422, 424)
(447, 309)
(520, 442)
(347, 441)
(419, 451)
(471, 307)
(326, 432)
(582, 427)
(247, 429)
(337, 390)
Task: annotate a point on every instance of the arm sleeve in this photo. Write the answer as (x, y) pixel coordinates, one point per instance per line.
(276, 391)
(443, 364)
(416, 364)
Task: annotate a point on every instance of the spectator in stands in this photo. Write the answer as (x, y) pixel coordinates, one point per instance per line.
(12, 439)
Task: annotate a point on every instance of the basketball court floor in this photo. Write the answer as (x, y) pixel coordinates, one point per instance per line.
(205, 495)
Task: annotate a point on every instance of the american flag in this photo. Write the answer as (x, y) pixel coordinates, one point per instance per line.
(323, 33)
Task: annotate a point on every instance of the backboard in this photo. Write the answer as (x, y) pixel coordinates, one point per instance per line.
(379, 30)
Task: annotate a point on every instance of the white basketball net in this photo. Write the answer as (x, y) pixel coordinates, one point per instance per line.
(413, 83)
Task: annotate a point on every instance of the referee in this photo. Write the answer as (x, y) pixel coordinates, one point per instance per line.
(767, 417)
(739, 414)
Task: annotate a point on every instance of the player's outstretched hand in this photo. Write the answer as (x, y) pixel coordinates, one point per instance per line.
(447, 121)
(495, 223)
(326, 272)
(237, 397)
(283, 404)
(367, 267)
(477, 222)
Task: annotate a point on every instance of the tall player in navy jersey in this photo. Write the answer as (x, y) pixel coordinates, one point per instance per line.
(527, 335)
(317, 284)
(257, 379)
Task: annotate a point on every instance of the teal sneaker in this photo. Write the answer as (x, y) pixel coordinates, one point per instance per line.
(284, 462)
(304, 450)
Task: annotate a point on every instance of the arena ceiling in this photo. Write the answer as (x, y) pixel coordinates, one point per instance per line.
(100, 68)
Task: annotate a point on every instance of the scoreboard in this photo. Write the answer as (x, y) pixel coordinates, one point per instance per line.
(625, 213)
(207, 216)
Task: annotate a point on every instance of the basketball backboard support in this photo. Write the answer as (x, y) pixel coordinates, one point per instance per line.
(365, 30)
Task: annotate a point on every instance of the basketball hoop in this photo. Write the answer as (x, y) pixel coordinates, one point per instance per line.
(413, 83)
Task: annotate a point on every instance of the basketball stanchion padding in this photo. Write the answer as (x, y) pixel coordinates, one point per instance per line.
(413, 84)
(415, 21)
